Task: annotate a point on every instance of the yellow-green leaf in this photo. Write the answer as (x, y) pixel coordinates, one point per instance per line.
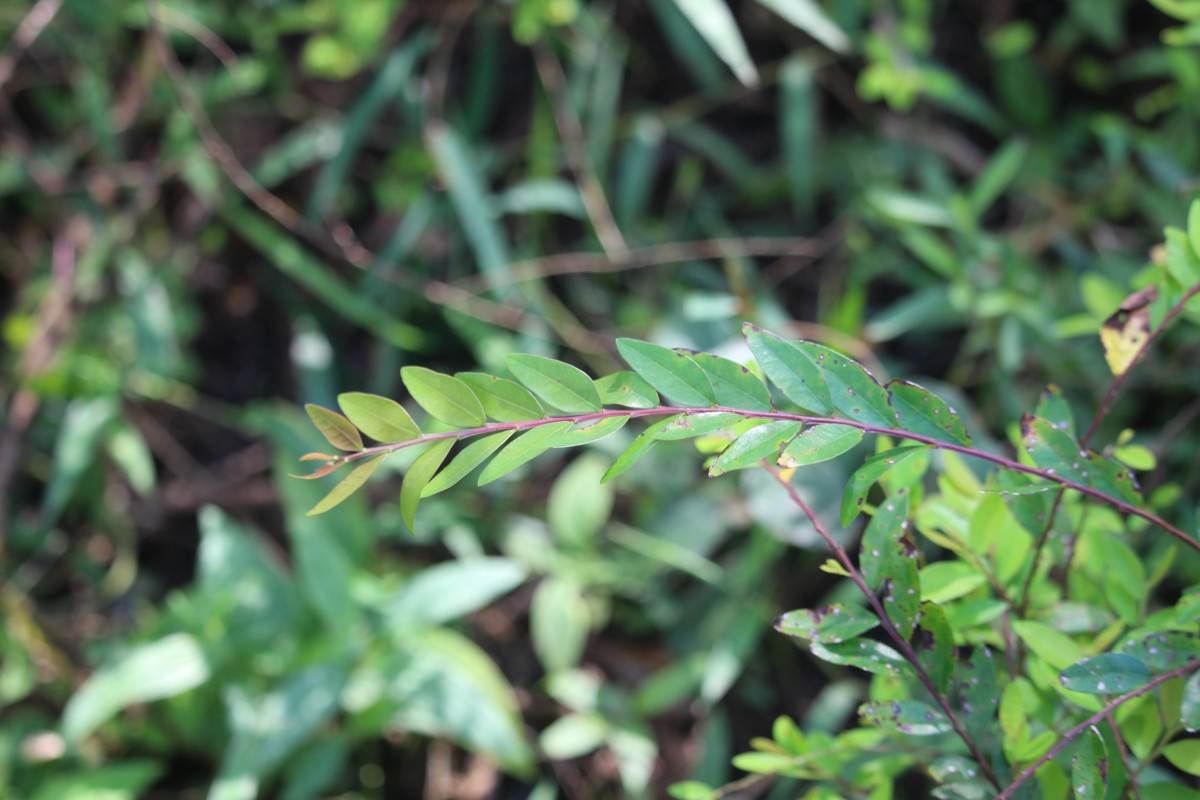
(336, 429)
(349, 485)
(381, 418)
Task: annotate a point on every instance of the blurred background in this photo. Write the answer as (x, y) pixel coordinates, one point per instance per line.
(214, 212)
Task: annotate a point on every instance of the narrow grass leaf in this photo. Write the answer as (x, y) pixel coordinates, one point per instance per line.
(785, 366)
(808, 16)
(638, 448)
(917, 410)
(381, 418)
(672, 373)
(820, 443)
(860, 483)
(467, 459)
(446, 398)
(336, 429)
(1000, 171)
(713, 20)
(418, 476)
(626, 389)
(348, 486)
(563, 386)
(503, 400)
(734, 385)
(763, 441)
(526, 447)
(829, 624)
(1107, 673)
(799, 121)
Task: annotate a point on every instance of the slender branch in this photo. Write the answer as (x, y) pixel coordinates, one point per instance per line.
(1099, 716)
(608, 413)
(36, 21)
(901, 641)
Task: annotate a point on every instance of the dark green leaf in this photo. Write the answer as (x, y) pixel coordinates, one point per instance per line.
(980, 693)
(336, 429)
(913, 717)
(446, 398)
(1055, 451)
(854, 392)
(865, 654)
(919, 411)
(820, 443)
(1164, 650)
(1055, 409)
(762, 441)
(563, 386)
(502, 400)
(638, 448)
(467, 459)
(1107, 673)
(734, 385)
(348, 486)
(902, 587)
(935, 645)
(526, 447)
(381, 418)
(785, 366)
(830, 624)
(686, 426)
(589, 431)
(1189, 709)
(881, 550)
(419, 473)
(874, 468)
(672, 373)
(626, 389)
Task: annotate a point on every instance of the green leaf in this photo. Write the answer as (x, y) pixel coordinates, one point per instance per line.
(949, 580)
(1164, 650)
(1183, 263)
(1107, 673)
(444, 592)
(1056, 649)
(997, 175)
(913, 717)
(820, 443)
(466, 460)
(446, 398)
(1055, 409)
(574, 735)
(560, 620)
(1189, 708)
(935, 645)
(348, 485)
(626, 389)
(638, 448)
(1193, 228)
(980, 695)
(853, 390)
(336, 429)
(578, 506)
(503, 400)
(526, 447)
(1089, 766)
(762, 441)
(785, 366)
(692, 790)
(874, 468)
(918, 410)
(733, 385)
(381, 418)
(588, 431)
(829, 624)
(563, 386)
(686, 426)
(418, 476)
(1055, 451)
(152, 671)
(714, 21)
(866, 654)
(121, 780)
(808, 16)
(902, 587)
(882, 552)
(1184, 755)
(672, 374)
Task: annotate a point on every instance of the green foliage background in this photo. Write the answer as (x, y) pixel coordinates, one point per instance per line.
(216, 212)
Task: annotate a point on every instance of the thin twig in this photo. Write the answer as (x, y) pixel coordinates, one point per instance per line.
(1074, 733)
(901, 641)
(36, 21)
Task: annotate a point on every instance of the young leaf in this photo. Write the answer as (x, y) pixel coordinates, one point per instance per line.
(881, 549)
(686, 426)
(733, 385)
(919, 411)
(914, 717)
(626, 389)
(865, 476)
(527, 446)
(336, 429)
(638, 448)
(866, 654)
(854, 392)
(588, 431)
(1056, 452)
(418, 476)
(381, 418)
(820, 443)
(830, 624)
(502, 400)
(935, 645)
(762, 441)
(467, 459)
(1107, 673)
(349, 485)
(563, 386)
(445, 398)
(789, 369)
(320, 472)
(672, 373)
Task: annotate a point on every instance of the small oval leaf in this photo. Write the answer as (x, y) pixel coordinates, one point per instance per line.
(467, 459)
(830, 625)
(336, 429)
(349, 485)
(853, 390)
(874, 468)
(820, 443)
(446, 398)
(762, 441)
(419, 473)
(1107, 673)
(527, 446)
(789, 369)
(560, 385)
(626, 389)
(638, 448)
(381, 418)
(918, 410)
(672, 373)
(503, 400)
(733, 385)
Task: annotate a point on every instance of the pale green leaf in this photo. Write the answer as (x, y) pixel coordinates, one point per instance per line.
(762, 441)
(348, 485)
(626, 389)
(336, 429)
(381, 418)
(418, 476)
(470, 457)
(446, 398)
(820, 443)
(526, 447)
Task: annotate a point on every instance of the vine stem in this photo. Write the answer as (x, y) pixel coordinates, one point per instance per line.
(901, 641)
(609, 413)
(1099, 716)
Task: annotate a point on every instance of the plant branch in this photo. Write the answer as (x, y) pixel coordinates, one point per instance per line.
(901, 641)
(1099, 716)
(31, 27)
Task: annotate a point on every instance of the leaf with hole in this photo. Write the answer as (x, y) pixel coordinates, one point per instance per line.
(1163, 650)
(336, 429)
(788, 368)
(1053, 450)
(874, 468)
(672, 374)
(502, 400)
(918, 410)
(761, 441)
(829, 624)
(914, 717)
(853, 390)
(626, 389)
(419, 473)
(560, 385)
(381, 418)
(349, 485)
(881, 553)
(866, 654)
(934, 643)
(446, 398)
(466, 460)
(1089, 766)
(820, 443)
(733, 385)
